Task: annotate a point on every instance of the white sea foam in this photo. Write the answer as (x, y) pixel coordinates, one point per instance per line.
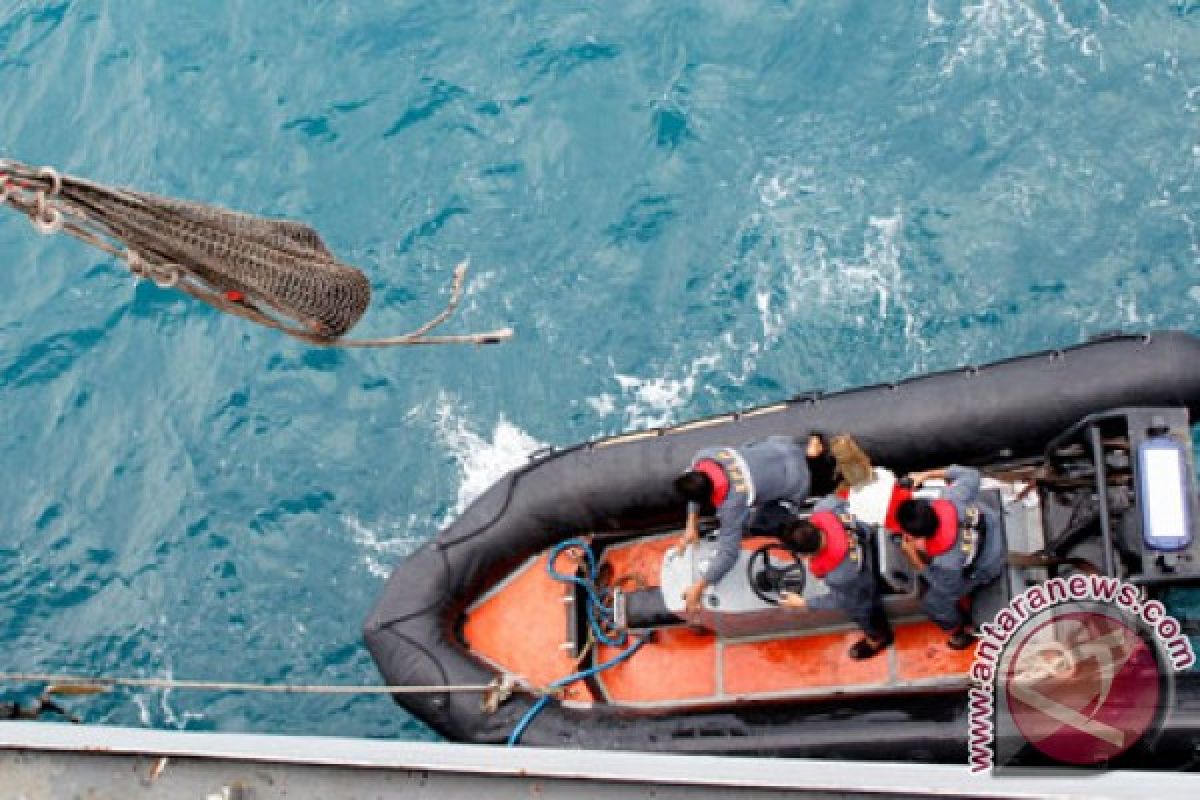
(805, 272)
(382, 548)
(481, 460)
(1192, 235)
(1127, 311)
(168, 715)
(1014, 34)
(176, 720)
(936, 20)
(143, 711)
(475, 293)
(818, 278)
(783, 187)
(654, 401)
(603, 404)
(771, 327)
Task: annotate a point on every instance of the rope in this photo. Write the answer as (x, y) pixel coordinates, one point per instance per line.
(86, 684)
(254, 268)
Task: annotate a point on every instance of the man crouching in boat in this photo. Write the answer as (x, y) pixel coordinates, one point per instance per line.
(734, 482)
(837, 549)
(952, 541)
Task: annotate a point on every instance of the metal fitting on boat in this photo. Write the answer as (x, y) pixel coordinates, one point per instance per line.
(499, 690)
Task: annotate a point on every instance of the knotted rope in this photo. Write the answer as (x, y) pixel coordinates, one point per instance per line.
(493, 694)
(277, 273)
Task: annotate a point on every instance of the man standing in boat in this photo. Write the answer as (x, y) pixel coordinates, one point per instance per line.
(837, 549)
(953, 541)
(734, 482)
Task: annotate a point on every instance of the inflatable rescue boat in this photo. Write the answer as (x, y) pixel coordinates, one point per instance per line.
(562, 575)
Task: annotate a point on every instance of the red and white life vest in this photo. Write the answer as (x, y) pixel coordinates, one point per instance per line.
(727, 470)
(840, 544)
(717, 476)
(952, 532)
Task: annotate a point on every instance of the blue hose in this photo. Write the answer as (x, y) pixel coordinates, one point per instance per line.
(597, 615)
(536, 708)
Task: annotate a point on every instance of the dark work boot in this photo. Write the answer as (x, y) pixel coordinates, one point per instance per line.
(864, 648)
(962, 637)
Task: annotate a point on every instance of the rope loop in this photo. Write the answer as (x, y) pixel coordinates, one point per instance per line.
(52, 175)
(164, 276)
(47, 219)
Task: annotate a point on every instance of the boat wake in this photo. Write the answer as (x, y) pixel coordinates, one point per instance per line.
(481, 459)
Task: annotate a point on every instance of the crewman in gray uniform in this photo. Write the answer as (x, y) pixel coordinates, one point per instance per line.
(837, 549)
(956, 544)
(734, 482)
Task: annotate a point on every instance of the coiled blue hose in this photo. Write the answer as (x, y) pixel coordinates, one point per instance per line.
(598, 615)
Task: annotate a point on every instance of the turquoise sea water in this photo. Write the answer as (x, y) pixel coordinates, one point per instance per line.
(682, 208)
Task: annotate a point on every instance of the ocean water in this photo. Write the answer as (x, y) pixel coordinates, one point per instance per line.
(681, 207)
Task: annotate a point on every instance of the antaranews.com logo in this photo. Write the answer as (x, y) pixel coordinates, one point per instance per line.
(1081, 669)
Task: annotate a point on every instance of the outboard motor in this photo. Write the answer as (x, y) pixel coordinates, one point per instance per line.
(1120, 492)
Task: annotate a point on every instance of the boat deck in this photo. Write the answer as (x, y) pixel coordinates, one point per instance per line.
(684, 667)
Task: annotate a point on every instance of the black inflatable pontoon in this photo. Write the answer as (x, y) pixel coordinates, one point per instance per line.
(1006, 413)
